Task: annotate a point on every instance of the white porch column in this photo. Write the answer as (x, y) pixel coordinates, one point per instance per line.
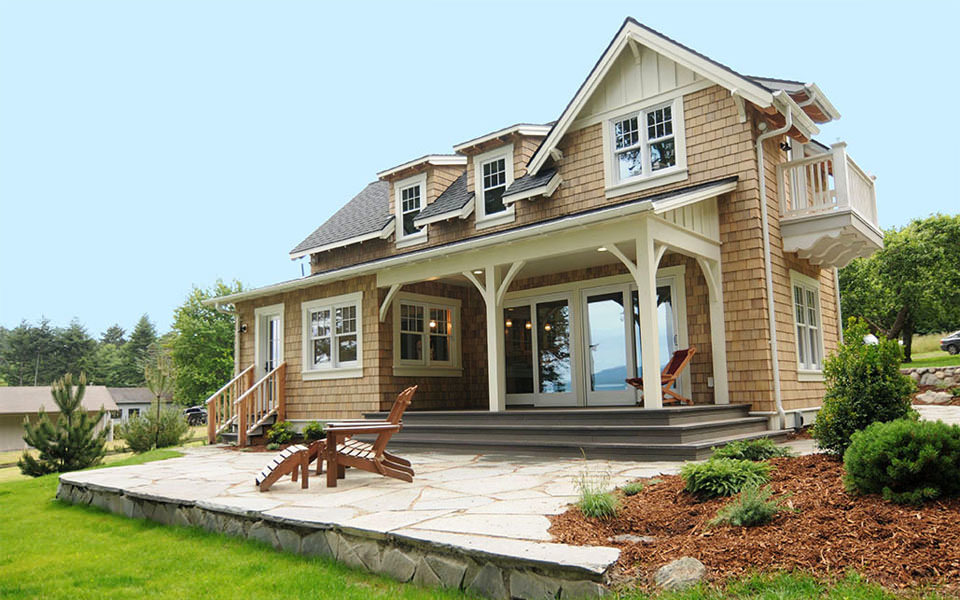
(718, 335)
(496, 380)
(646, 276)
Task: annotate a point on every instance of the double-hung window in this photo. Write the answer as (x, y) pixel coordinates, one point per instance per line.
(410, 200)
(646, 144)
(332, 340)
(806, 316)
(426, 335)
(493, 174)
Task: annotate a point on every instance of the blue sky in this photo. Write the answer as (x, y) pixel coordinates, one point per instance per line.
(149, 146)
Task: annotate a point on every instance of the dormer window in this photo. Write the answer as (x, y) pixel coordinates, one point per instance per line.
(644, 147)
(493, 174)
(410, 200)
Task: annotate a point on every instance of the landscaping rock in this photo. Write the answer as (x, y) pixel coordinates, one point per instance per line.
(629, 538)
(368, 551)
(929, 379)
(577, 590)
(262, 532)
(530, 586)
(424, 575)
(680, 574)
(315, 544)
(397, 565)
(450, 571)
(915, 376)
(289, 540)
(489, 583)
(935, 397)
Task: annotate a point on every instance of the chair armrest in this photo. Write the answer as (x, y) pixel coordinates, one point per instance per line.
(357, 429)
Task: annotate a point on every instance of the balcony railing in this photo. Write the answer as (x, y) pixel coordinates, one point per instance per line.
(826, 184)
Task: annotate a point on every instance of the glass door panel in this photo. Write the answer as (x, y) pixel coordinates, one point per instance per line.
(538, 354)
(518, 351)
(553, 347)
(607, 349)
(666, 323)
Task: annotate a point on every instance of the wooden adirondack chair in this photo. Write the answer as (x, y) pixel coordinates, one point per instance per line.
(341, 451)
(678, 362)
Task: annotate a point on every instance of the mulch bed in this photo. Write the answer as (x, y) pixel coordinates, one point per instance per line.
(896, 546)
(924, 388)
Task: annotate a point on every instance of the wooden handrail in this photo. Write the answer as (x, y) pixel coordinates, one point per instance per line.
(263, 399)
(220, 413)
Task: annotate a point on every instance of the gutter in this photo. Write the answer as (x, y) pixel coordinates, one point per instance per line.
(768, 270)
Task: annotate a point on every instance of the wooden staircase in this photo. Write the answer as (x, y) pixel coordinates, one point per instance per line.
(244, 408)
(673, 433)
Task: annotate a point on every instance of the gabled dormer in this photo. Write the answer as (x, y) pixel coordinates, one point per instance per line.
(414, 186)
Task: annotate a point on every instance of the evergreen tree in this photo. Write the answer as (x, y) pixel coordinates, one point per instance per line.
(69, 444)
(74, 350)
(106, 366)
(114, 335)
(135, 352)
(26, 356)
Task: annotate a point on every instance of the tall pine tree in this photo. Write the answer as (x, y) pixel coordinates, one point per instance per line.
(114, 335)
(135, 352)
(69, 444)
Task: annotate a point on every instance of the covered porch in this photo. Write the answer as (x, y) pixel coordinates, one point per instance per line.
(568, 308)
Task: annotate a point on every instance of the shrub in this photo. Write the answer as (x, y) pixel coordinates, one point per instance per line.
(864, 386)
(906, 461)
(760, 449)
(723, 476)
(595, 501)
(633, 488)
(752, 506)
(281, 432)
(273, 446)
(313, 431)
(143, 432)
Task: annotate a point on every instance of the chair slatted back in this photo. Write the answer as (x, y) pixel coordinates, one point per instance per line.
(396, 414)
(678, 361)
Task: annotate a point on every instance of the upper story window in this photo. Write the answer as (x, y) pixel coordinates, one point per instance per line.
(332, 337)
(645, 146)
(493, 174)
(426, 336)
(410, 200)
(806, 318)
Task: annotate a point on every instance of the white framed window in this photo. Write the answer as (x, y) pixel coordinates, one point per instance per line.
(807, 324)
(333, 337)
(645, 148)
(426, 336)
(411, 198)
(492, 176)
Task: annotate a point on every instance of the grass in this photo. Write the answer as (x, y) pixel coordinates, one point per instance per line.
(922, 344)
(937, 358)
(784, 586)
(53, 550)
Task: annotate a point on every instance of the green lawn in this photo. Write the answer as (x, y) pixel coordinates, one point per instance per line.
(53, 550)
(936, 358)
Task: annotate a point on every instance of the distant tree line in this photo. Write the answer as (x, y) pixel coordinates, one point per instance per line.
(912, 285)
(199, 347)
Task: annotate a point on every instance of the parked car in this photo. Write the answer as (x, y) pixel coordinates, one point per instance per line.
(196, 415)
(951, 343)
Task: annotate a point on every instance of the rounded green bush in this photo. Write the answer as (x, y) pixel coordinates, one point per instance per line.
(723, 476)
(313, 431)
(282, 432)
(759, 449)
(906, 461)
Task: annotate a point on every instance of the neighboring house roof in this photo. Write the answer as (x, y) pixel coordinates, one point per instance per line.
(449, 204)
(19, 400)
(133, 395)
(366, 216)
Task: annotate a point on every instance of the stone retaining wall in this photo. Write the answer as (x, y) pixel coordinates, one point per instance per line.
(403, 558)
(944, 377)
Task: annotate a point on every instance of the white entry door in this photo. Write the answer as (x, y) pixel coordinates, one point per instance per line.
(539, 353)
(269, 339)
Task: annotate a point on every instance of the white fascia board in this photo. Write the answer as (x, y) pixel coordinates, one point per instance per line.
(667, 204)
(822, 101)
(801, 120)
(631, 31)
(381, 234)
(460, 213)
(509, 235)
(430, 159)
(546, 189)
(526, 130)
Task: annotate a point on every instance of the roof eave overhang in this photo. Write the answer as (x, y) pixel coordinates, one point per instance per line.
(432, 159)
(382, 233)
(547, 189)
(524, 130)
(633, 32)
(460, 213)
(605, 213)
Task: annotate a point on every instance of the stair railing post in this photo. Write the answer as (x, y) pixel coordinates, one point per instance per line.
(212, 420)
(281, 392)
(242, 423)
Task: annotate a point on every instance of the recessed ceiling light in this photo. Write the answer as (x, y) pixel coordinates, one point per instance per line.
(602, 249)
(478, 272)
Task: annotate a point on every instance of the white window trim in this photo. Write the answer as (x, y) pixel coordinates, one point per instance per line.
(424, 368)
(482, 219)
(348, 370)
(678, 172)
(258, 314)
(807, 283)
(420, 237)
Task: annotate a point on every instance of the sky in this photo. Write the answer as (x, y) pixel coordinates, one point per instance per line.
(147, 147)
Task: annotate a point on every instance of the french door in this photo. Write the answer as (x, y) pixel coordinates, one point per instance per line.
(269, 339)
(539, 351)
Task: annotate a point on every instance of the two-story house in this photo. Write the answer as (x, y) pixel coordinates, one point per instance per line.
(673, 203)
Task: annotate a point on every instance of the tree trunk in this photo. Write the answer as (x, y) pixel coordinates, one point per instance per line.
(897, 328)
(907, 337)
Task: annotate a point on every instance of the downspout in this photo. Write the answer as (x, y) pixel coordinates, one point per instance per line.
(768, 269)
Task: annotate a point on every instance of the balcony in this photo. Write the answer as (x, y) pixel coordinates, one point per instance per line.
(828, 208)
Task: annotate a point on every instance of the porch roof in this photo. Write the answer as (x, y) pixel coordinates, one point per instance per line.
(652, 202)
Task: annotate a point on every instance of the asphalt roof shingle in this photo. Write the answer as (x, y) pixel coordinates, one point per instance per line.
(366, 213)
(528, 182)
(452, 199)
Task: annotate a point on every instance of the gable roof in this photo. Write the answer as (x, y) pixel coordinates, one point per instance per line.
(429, 159)
(632, 32)
(449, 204)
(133, 395)
(22, 400)
(366, 216)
